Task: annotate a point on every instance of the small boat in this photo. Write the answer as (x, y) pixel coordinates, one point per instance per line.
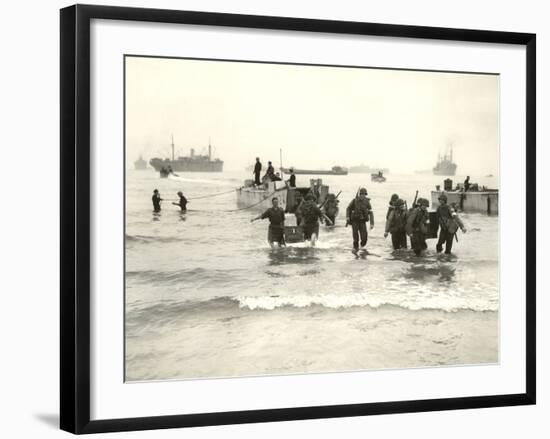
(336, 170)
(378, 178)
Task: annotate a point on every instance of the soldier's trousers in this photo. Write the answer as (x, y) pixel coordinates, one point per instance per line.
(445, 237)
(399, 240)
(418, 243)
(257, 178)
(359, 230)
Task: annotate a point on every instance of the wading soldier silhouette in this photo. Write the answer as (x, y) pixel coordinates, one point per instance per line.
(276, 216)
(156, 200)
(449, 223)
(417, 225)
(358, 212)
(396, 224)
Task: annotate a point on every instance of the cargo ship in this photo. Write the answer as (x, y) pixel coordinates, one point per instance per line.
(192, 163)
(336, 170)
(445, 164)
(140, 164)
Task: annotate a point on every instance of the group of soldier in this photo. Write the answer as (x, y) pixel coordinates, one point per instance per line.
(401, 222)
(270, 174)
(157, 199)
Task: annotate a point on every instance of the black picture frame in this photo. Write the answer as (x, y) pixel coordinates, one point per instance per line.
(75, 217)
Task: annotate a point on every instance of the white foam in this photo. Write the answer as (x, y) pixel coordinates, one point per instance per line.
(194, 180)
(449, 304)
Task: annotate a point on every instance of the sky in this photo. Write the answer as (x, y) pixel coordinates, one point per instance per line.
(319, 116)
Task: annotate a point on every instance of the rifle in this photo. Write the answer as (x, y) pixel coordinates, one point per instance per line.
(414, 201)
(348, 222)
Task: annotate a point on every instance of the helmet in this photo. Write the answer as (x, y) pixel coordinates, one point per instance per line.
(363, 191)
(180, 193)
(399, 202)
(424, 202)
(310, 197)
(394, 197)
(442, 197)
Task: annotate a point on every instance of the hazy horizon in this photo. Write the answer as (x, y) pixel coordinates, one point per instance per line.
(319, 116)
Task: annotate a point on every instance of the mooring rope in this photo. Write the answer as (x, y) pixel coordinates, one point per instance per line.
(240, 208)
(211, 195)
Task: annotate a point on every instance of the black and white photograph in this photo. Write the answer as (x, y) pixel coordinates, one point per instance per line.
(296, 219)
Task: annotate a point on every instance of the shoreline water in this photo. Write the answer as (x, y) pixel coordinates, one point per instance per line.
(206, 296)
(222, 340)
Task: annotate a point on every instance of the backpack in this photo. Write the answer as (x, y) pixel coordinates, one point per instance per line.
(398, 221)
(309, 212)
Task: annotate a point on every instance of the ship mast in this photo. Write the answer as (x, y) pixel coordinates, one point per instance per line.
(209, 150)
(172, 147)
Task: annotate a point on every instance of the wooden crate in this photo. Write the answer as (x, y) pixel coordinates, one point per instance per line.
(293, 234)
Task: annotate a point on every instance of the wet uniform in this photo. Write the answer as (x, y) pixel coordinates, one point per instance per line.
(275, 232)
(183, 203)
(417, 227)
(448, 224)
(156, 202)
(310, 215)
(331, 208)
(396, 223)
(359, 211)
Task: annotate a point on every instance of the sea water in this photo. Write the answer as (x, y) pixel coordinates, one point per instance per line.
(207, 297)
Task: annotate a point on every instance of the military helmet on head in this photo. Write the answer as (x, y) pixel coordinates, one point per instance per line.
(394, 197)
(363, 191)
(310, 197)
(399, 202)
(180, 193)
(442, 197)
(424, 202)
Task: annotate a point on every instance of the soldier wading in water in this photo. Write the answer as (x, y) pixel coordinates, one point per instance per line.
(309, 215)
(396, 223)
(417, 225)
(276, 216)
(359, 211)
(449, 222)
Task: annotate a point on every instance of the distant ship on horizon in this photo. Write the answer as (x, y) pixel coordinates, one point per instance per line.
(140, 164)
(445, 164)
(192, 163)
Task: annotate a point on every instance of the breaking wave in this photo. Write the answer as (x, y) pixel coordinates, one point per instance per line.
(357, 300)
